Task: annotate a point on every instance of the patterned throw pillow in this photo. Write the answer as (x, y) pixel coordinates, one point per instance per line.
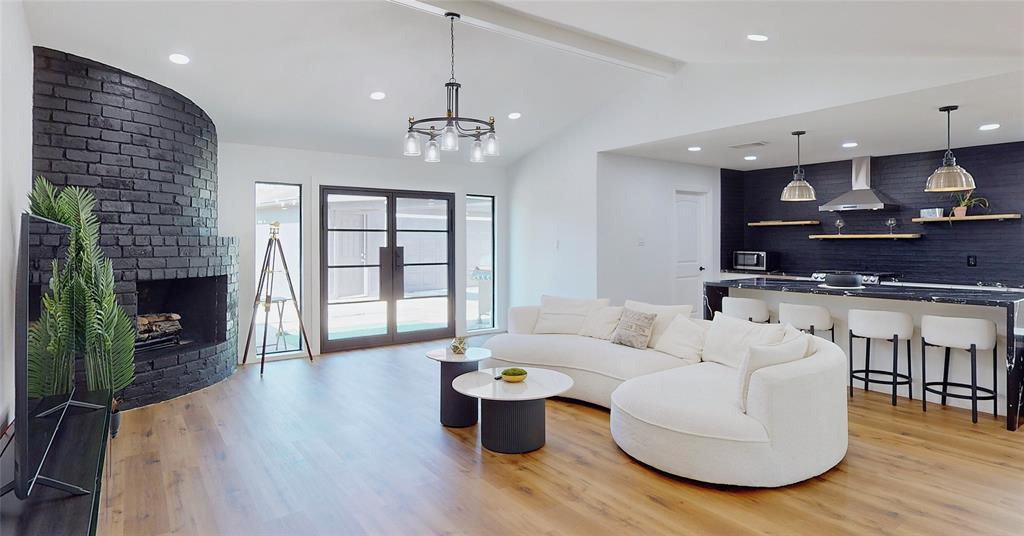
(634, 328)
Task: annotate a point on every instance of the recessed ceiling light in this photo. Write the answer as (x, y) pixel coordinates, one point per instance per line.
(989, 126)
(693, 149)
(757, 37)
(750, 157)
(850, 145)
(180, 59)
(515, 115)
(378, 95)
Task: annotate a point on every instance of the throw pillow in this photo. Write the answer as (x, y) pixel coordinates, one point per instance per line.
(762, 356)
(634, 328)
(600, 323)
(729, 339)
(564, 315)
(666, 314)
(684, 338)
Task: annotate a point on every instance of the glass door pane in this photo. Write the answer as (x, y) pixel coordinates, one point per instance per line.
(280, 203)
(356, 232)
(423, 236)
(479, 262)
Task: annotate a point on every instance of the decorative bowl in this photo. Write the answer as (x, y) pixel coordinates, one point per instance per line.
(513, 375)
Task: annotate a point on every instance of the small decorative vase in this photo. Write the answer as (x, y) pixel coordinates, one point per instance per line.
(458, 345)
(959, 212)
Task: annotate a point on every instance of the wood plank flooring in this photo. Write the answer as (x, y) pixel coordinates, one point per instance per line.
(351, 444)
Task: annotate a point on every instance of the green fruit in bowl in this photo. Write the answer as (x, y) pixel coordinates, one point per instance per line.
(513, 375)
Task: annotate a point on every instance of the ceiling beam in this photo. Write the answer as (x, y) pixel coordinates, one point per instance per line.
(497, 18)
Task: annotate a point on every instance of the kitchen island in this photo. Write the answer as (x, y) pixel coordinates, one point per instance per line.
(1010, 301)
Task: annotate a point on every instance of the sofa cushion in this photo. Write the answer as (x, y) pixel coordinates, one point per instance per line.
(564, 315)
(666, 313)
(582, 353)
(761, 356)
(729, 339)
(600, 323)
(684, 338)
(634, 328)
(698, 400)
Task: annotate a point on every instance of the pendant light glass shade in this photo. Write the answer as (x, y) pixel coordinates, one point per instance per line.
(476, 153)
(798, 189)
(433, 152)
(491, 145)
(449, 139)
(412, 145)
(949, 177)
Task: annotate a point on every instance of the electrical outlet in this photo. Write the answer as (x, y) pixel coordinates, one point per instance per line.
(972, 260)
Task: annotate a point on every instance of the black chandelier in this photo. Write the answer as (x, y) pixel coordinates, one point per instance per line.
(443, 133)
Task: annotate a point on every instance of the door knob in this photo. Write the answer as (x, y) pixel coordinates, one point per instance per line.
(701, 268)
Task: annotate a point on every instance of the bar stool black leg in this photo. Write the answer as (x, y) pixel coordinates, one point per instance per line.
(910, 372)
(812, 331)
(945, 377)
(895, 365)
(924, 376)
(995, 382)
(851, 363)
(867, 362)
(974, 383)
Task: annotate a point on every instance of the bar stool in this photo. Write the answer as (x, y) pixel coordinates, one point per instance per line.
(888, 325)
(971, 334)
(745, 308)
(809, 318)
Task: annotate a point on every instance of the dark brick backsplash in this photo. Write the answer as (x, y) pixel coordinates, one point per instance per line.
(939, 256)
(149, 155)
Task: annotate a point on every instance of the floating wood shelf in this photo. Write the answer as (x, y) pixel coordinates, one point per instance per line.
(893, 236)
(980, 217)
(779, 223)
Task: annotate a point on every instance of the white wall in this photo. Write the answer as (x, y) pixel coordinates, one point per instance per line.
(15, 176)
(635, 203)
(553, 190)
(241, 166)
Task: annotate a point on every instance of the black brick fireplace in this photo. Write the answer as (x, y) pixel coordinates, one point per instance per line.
(149, 155)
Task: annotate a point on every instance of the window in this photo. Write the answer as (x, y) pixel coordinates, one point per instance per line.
(479, 262)
(280, 203)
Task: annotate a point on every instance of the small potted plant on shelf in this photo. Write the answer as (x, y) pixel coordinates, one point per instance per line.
(513, 375)
(965, 200)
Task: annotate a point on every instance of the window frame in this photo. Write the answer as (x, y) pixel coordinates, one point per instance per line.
(293, 271)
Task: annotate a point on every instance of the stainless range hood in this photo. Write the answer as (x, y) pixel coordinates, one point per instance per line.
(862, 196)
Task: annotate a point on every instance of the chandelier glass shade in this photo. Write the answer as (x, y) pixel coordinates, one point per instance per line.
(443, 133)
(798, 189)
(949, 177)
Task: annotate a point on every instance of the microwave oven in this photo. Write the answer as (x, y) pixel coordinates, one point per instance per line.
(762, 261)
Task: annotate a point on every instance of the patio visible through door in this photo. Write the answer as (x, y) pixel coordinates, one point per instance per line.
(387, 267)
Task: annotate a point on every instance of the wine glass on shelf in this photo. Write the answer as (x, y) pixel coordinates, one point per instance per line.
(891, 222)
(839, 225)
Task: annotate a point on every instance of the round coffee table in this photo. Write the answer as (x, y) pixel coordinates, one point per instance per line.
(457, 410)
(512, 414)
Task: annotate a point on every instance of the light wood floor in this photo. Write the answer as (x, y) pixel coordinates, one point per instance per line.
(351, 445)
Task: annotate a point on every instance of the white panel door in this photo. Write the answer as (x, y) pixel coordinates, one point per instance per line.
(690, 249)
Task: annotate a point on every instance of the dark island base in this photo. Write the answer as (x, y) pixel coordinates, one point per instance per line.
(714, 291)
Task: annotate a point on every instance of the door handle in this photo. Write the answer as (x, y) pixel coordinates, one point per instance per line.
(399, 257)
(701, 268)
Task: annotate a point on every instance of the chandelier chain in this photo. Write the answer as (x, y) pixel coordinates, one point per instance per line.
(451, 21)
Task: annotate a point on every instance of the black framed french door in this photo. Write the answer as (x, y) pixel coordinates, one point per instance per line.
(387, 267)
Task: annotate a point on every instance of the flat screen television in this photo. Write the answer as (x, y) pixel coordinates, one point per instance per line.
(44, 381)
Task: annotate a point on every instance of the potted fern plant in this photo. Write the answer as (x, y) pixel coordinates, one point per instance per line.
(965, 200)
(89, 323)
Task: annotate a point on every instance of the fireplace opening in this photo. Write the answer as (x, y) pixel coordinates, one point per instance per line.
(173, 313)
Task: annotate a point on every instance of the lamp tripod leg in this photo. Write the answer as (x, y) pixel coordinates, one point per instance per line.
(295, 301)
(266, 303)
(256, 302)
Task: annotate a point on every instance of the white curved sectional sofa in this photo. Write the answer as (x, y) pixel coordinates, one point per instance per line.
(684, 416)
